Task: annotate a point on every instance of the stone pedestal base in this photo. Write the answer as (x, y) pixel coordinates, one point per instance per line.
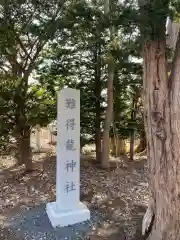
(65, 218)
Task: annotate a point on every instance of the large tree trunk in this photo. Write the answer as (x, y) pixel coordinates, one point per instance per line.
(162, 117)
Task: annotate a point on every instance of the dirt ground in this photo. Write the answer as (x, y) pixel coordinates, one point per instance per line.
(119, 195)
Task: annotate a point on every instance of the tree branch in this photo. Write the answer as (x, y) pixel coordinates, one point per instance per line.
(13, 61)
(38, 50)
(31, 49)
(41, 43)
(22, 46)
(28, 21)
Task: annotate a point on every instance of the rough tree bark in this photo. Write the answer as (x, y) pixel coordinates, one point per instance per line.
(162, 115)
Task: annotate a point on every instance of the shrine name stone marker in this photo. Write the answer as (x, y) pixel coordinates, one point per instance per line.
(68, 210)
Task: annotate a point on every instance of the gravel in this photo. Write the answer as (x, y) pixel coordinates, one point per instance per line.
(34, 225)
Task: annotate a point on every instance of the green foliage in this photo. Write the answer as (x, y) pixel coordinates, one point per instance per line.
(7, 89)
(25, 28)
(41, 106)
(152, 17)
(77, 52)
(67, 46)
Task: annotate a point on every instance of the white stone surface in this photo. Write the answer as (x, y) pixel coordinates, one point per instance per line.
(62, 219)
(67, 209)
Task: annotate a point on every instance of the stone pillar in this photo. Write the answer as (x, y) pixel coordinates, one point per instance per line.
(68, 209)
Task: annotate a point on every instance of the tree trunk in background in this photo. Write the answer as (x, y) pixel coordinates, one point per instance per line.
(109, 110)
(133, 116)
(121, 147)
(108, 119)
(38, 145)
(131, 152)
(98, 138)
(162, 115)
(97, 58)
(142, 144)
(117, 146)
(24, 149)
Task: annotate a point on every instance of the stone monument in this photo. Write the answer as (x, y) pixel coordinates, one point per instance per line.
(68, 210)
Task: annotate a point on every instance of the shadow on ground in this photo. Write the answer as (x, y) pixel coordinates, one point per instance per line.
(117, 199)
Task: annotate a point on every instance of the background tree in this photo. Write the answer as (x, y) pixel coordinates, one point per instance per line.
(26, 27)
(110, 76)
(68, 49)
(77, 56)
